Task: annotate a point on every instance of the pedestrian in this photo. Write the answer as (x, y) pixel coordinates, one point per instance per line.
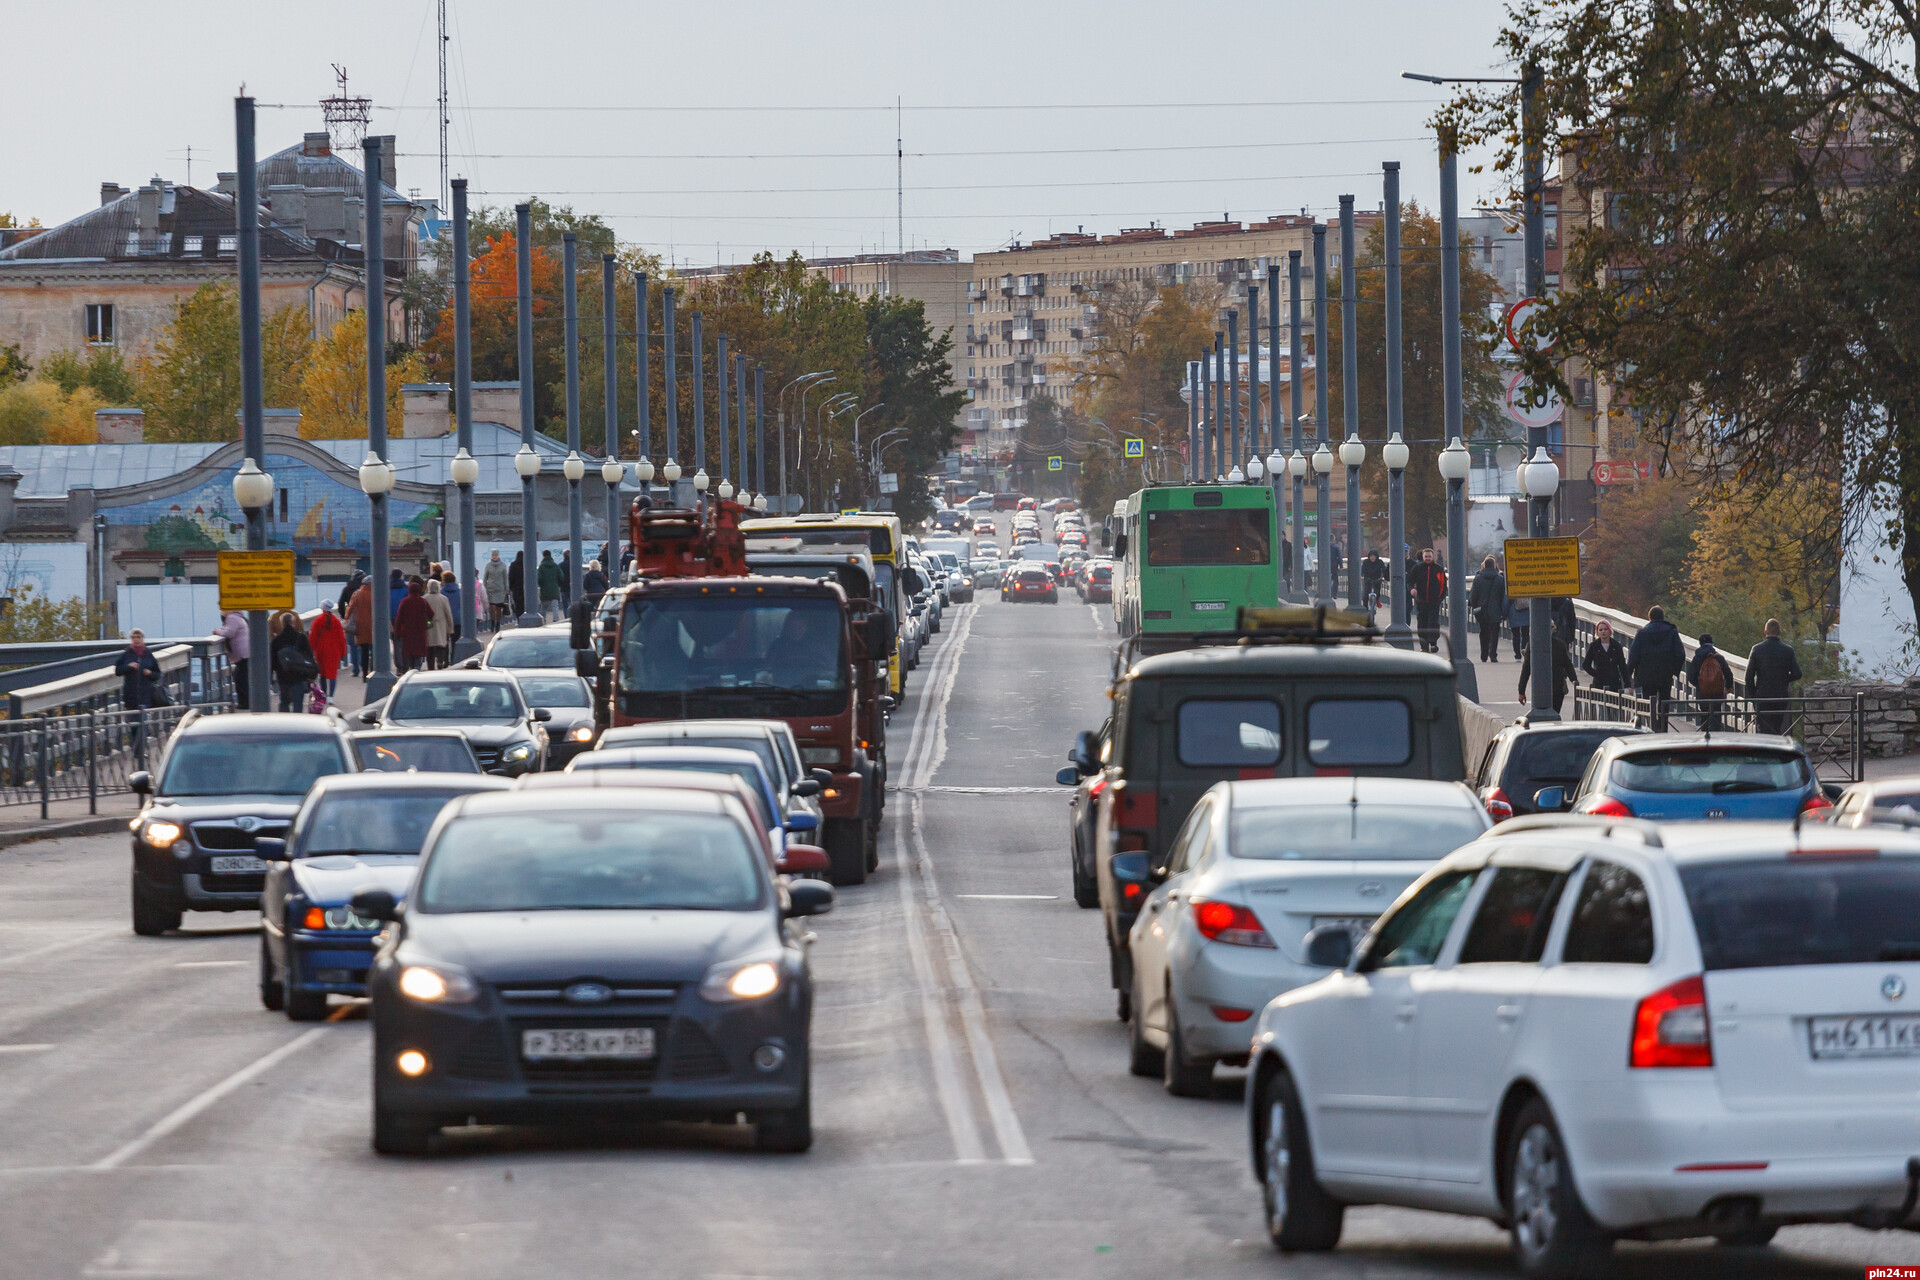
(293, 665)
(1606, 660)
(233, 629)
(1712, 681)
(1565, 620)
(1772, 668)
(1563, 676)
(566, 581)
(360, 624)
(549, 583)
(439, 625)
(483, 607)
(494, 579)
(1428, 583)
(1654, 658)
(450, 588)
(328, 640)
(396, 590)
(1488, 602)
(1373, 577)
(345, 611)
(1519, 624)
(410, 623)
(140, 687)
(517, 584)
(593, 584)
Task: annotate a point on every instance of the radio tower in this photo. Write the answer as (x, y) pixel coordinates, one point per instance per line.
(446, 192)
(347, 118)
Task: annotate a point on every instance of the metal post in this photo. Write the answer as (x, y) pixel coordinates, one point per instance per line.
(1397, 631)
(1233, 389)
(672, 388)
(570, 323)
(760, 429)
(610, 380)
(469, 577)
(723, 374)
(745, 481)
(1322, 480)
(1295, 571)
(93, 773)
(643, 366)
(699, 357)
(252, 380)
(1193, 421)
(1350, 394)
(1273, 358)
(1208, 420)
(373, 247)
(1533, 211)
(1466, 678)
(1253, 371)
(529, 504)
(1219, 405)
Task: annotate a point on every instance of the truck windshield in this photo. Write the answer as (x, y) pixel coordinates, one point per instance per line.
(704, 644)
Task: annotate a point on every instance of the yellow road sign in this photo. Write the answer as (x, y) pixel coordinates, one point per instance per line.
(1054, 463)
(1543, 567)
(256, 580)
(1136, 447)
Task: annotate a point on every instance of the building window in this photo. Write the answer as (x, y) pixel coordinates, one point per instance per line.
(99, 324)
(229, 244)
(190, 244)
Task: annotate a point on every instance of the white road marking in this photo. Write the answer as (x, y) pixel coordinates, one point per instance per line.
(210, 964)
(989, 791)
(193, 1106)
(54, 948)
(1011, 897)
(25, 1048)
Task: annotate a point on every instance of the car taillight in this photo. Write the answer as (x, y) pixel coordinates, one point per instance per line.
(1499, 808)
(1605, 807)
(1234, 925)
(1099, 785)
(1670, 1027)
(1814, 804)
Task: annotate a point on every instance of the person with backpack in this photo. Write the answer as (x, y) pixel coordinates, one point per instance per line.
(1712, 680)
(293, 665)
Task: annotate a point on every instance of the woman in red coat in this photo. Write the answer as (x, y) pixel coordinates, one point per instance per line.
(410, 621)
(328, 637)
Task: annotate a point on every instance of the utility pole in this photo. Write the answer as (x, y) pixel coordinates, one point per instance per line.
(1398, 632)
(445, 115)
(1351, 451)
(1455, 412)
(1532, 203)
(529, 487)
(760, 430)
(899, 179)
(253, 380)
(1298, 489)
(671, 471)
(463, 419)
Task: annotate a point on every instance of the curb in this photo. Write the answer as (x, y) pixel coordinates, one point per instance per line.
(95, 826)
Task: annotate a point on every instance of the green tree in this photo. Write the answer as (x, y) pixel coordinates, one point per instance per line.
(1143, 338)
(14, 367)
(908, 375)
(190, 386)
(101, 369)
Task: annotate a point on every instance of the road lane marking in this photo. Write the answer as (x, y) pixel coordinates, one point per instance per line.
(193, 1106)
(210, 964)
(54, 948)
(989, 791)
(24, 1048)
(1012, 897)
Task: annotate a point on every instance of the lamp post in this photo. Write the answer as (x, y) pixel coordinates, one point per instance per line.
(376, 481)
(1233, 393)
(526, 463)
(570, 296)
(1295, 582)
(830, 409)
(760, 436)
(740, 419)
(806, 382)
(1352, 454)
(723, 375)
(1253, 373)
(373, 251)
(1322, 481)
(1276, 470)
(1322, 497)
(1395, 455)
(643, 372)
(463, 469)
(1297, 465)
(699, 407)
(253, 387)
(858, 457)
(1539, 479)
(610, 382)
(1454, 465)
(671, 369)
(1193, 421)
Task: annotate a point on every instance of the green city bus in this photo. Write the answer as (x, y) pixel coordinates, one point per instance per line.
(1191, 556)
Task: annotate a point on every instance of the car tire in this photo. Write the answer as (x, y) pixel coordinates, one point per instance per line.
(397, 1133)
(1142, 1058)
(150, 918)
(789, 1131)
(273, 996)
(1751, 1238)
(1301, 1216)
(1553, 1236)
(1086, 891)
(302, 1006)
(1183, 1077)
(846, 844)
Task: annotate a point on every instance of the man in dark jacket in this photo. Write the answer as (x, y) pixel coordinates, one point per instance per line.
(139, 673)
(1606, 660)
(517, 584)
(549, 581)
(1565, 621)
(1373, 579)
(1428, 583)
(1772, 668)
(1712, 681)
(1654, 658)
(1488, 600)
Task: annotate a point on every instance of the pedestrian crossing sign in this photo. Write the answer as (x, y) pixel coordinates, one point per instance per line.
(1136, 448)
(1055, 464)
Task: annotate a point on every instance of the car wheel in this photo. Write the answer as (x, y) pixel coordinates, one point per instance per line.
(396, 1133)
(789, 1131)
(1142, 1058)
(1301, 1216)
(846, 849)
(1182, 1077)
(1751, 1238)
(303, 1006)
(150, 918)
(272, 995)
(1553, 1237)
(1086, 892)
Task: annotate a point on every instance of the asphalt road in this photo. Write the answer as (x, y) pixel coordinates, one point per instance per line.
(974, 1116)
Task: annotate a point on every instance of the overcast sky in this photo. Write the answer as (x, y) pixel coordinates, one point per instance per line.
(1017, 119)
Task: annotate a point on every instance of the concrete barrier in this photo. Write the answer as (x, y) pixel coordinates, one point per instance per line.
(1478, 727)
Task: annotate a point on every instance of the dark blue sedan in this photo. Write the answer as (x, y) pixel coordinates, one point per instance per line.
(354, 831)
(1681, 777)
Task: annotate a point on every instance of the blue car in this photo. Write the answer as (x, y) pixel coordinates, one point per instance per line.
(353, 831)
(1682, 777)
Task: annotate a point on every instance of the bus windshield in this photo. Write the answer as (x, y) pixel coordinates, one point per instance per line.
(1225, 535)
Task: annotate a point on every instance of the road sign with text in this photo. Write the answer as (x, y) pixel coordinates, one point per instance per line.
(255, 580)
(1543, 567)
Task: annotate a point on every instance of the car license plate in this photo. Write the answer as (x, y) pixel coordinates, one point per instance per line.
(592, 1042)
(237, 864)
(1356, 926)
(1868, 1036)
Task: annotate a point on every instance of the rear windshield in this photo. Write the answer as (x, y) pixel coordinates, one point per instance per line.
(249, 764)
(1559, 756)
(1225, 536)
(1355, 831)
(1344, 732)
(556, 691)
(761, 745)
(1759, 914)
(373, 821)
(1230, 733)
(1708, 769)
(746, 772)
(550, 649)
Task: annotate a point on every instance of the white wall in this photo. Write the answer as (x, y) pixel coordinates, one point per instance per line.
(180, 610)
(54, 570)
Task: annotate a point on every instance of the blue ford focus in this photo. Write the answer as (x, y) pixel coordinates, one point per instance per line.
(354, 831)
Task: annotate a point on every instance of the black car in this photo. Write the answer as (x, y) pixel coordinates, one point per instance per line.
(508, 736)
(221, 782)
(415, 750)
(570, 699)
(593, 954)
(1525, 759)
(1084, 775)
(353, 832)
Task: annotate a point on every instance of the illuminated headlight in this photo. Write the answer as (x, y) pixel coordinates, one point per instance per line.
(741, 981)
(820, 755)
(437, 984)
(513, 755)
(412, 1063)
(161, 834)
(581, 733)
(344, 918)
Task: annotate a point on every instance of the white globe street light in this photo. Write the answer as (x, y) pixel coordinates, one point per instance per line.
(1539, 477)
(612, 472)
(376, 475)
(252, 487)
(1236, 476)
(1255, 472)
(574, 468)
(1297, 465)
(643, 471)
(1395, 453)
(1352, 453)
(671, 472)
(1276, 463)
(759, 502)
(700, 480)
(726, 488)
(1323, 460)
(1455, 461)
(464, 468)
(526, 463)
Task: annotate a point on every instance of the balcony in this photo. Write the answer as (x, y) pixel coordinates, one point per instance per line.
(1006, 284)
(975, 293)
(1029, 286)
(1076, 333)
(1027, 333)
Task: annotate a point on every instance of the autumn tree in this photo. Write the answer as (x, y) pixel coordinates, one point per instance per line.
(190, 386)
(39, 412)
(1143, 338)
(1779, 560)
(494, 326)
(333, 391)
(1636, 554)
(101, 369)
(908, 377)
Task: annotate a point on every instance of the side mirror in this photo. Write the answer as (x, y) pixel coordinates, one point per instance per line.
(369, 716)
(1130, 878)
(1550, 799)
(801, 820)
(1085, 753)
(270, 848)
(375, 904)
(471, 664)
(805, 787)
(805, 858)
(140, 782)
(1330, 947)
(543, 714)
(888, 702)
(586, 664)
(579, 619)
(822, 776)
(808, 898)
(880, 635)
(1119, 545)
(1068, 777)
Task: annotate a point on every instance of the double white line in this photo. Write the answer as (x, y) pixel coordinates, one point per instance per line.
(931, 935)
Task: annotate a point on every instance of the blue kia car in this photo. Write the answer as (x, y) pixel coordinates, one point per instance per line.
(1681, 777)
(354, 831)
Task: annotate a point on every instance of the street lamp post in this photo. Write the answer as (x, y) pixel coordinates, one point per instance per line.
(373, 251)
(1298, 491)
(1322, 482)
(253, 389)
(376, 481)
(1395, 455)
(610, 382)
(1539, 479)
(526, 463)
(1454, 465)
(1352, 452)
(464, 470)
(671, 372)
(858, 457)
(1193, 421)
(1253, 375)
(643, 374)
(1233, 388)
(807, 384)
(740, 421)
(700, 480)
(1322, 476)
(570, 295)
(760, 436)
(830, 409)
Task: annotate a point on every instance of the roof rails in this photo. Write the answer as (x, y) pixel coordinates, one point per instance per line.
(1648, 832)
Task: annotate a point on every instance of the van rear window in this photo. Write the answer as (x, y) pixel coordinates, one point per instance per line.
(1229, 733)
(1344, 732)
(1771, 912)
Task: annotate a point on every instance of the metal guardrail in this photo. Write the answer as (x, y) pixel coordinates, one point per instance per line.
(1832, 729)
(90, 754)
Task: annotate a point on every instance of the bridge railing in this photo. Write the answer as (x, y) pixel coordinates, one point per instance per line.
(86, 754)
(1831, 728)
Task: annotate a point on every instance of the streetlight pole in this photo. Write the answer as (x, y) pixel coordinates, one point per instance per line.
(1455, 462)
(570, 294)
(1322, 455)
(760, 436)
(526, 463)
(253, 386)
(723, 374)
(699, 408)
(1193, 421)
(373, 253)
(1253, 376)
(858, 457)
(812, 483)
(1397, 631)
(1296, 567)
(1352, 452)
(1539, 478)
(1454, 465)
(643, 379)
(464, 469)
(671, 369)
(740, 418)
(610, 383)
(1233, 390)
(807, 383)
(1205, 472)
(1395, 455)
(1219, 405)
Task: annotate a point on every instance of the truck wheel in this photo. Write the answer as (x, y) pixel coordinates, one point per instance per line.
(873, 845)
(150, 918)
(846, 850)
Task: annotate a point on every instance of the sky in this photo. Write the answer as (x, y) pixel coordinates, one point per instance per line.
(706, 132)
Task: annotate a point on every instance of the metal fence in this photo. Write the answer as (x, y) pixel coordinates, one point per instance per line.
(1832, 729)
(85, 755)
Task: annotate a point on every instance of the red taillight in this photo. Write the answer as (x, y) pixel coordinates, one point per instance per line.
(1234, 925)
(1227, 1013)
(1131, 890)
(1605, 807)
(1499, 808)
(1814, 804)
(1670, 1027)
(1099, 785)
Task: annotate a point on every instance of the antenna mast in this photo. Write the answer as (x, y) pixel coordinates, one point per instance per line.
(899, 181)
(446, 192)
(347, 118)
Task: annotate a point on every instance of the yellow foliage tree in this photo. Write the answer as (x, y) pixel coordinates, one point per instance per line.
(41, 413)
(190, 386)
(333, 393)
(1776, 559)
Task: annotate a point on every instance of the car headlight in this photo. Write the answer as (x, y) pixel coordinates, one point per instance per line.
(437, 984)
(581, 733)
(161, 834)
(513, 755)
(741, 980)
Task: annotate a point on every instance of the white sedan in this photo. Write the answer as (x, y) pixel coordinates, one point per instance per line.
(1589, 1029)
(1258, 867)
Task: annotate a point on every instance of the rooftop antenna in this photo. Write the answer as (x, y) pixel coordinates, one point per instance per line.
(347, 118)
(446, 192)
(189, 154)
(899, 180)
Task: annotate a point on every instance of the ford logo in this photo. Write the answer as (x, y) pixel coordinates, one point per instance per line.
(1893, 986)
(588, 993)
(1370, 889)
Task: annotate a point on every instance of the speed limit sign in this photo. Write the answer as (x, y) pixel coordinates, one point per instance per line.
(1530, 405)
